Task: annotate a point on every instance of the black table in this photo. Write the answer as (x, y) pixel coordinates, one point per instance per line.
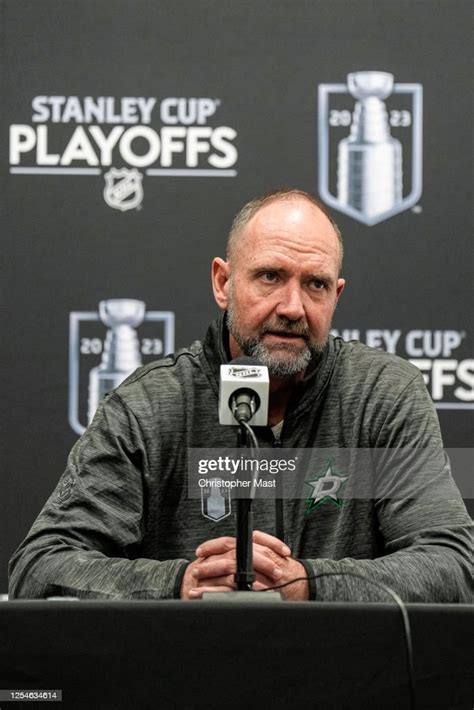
(185, 655)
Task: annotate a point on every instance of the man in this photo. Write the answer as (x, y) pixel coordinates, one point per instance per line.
(120, 523)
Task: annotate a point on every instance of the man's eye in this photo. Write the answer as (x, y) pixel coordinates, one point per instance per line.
(317, 284)
(269, 276)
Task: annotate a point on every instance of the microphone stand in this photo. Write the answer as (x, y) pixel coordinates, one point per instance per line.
(245, 575)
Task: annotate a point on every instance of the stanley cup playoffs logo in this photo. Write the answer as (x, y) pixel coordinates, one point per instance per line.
(122, 140)
(370, 146)
(106, 346)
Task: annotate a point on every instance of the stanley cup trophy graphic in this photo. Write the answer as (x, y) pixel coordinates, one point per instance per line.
(369, 173)
(121, 355)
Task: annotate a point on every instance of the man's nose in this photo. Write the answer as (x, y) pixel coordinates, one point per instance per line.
(291, 303)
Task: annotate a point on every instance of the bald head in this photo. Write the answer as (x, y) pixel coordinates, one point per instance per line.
(250, 210)
(280, 283)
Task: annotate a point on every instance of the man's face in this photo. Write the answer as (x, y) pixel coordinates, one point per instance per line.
(282, 286)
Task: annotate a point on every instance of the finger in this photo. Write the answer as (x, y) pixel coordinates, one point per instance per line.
(272, 542)
(227, 580)
(267, 566)
(268, 552)
(215, 547)
(214, 568)
(197, 592)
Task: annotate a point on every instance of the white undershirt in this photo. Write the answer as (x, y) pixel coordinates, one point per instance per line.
(277, 430)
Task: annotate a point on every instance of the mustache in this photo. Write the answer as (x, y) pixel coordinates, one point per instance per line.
(285, 326)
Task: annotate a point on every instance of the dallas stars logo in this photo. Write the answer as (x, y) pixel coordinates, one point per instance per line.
(325, 488)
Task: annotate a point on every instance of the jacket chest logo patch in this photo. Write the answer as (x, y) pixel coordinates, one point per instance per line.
(215, 503)
(325, 487)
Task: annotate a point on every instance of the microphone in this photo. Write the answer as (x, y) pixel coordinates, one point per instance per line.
(243, 392)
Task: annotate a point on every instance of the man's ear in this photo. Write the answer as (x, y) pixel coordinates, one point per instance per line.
(340, 288)
(220, 274)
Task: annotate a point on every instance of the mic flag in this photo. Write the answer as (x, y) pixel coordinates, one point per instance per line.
(243, 392)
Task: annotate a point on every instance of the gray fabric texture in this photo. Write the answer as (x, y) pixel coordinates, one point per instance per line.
(120, 524)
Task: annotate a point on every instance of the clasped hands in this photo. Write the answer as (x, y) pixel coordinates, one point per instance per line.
(214, 568)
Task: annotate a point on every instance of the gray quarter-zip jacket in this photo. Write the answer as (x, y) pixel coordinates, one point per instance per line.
(120, 523)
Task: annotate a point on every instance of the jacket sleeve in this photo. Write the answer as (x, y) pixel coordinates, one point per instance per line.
(427, 532)
(86, 540)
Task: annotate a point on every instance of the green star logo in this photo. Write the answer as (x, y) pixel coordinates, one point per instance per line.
(325, 488)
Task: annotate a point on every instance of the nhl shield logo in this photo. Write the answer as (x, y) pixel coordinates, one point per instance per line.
(370, 146)
(123, 188)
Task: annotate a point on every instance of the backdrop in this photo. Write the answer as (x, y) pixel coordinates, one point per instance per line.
(133, 131)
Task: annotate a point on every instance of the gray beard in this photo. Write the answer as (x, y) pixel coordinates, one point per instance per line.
(277, 358)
